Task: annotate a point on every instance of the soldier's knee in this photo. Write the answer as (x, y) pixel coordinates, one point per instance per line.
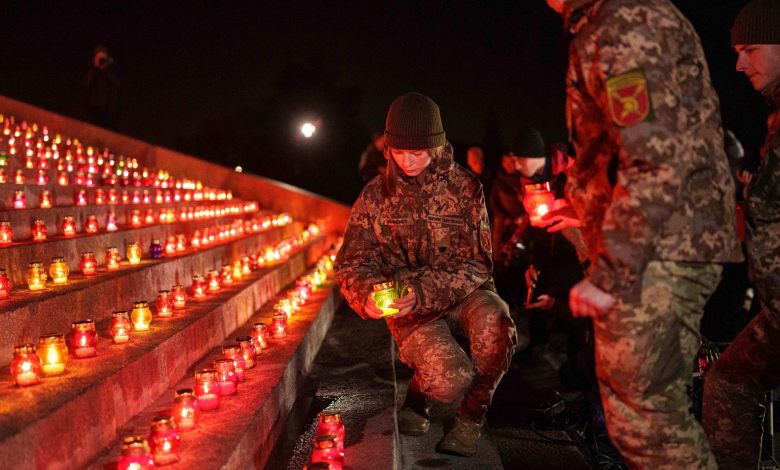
(452, 382)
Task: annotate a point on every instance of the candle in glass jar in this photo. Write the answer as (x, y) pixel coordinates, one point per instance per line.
(226, 376)
(59, 270)
(134, 253)
(247, 350)
(238, 271)
(5, 285)
(112, 258)
(329, 422)
(326, 450)
(185, 409)
(68, 226)
(170, 245)
(135, 218)
(19, 177)
(164, 303)
(149, 219)
(25, 365)
(260, 336)
(538, 200)
(63, 179)
(207, 389)
(20, 200)
(165, 440)
(113, 197)
(135, 454)
(91, 225)
(181, 243)
(88, 264)
(45, 200)
(100, 197)
(38, 230)
(111, 223)
(227, 275)
(284, 306)
(36, 276)
(6, 232)
(233, 352)
(179, 296)
(80, 197)
(213, 280)
(198, 286)
(385, 294)
(84, 339)
(155, 249)
(279, 325)
(120, 326)
(53, 353)
(141, 315)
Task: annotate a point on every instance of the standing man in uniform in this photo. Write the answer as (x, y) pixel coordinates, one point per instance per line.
(652, 189)
(735, 387)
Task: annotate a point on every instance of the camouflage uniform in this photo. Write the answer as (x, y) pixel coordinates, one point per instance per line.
(640, 101)
(735, 386)
(433, 235)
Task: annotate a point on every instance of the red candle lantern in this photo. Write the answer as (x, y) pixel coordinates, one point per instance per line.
(111, 223)
(5, 285)
(91, 225)
(181, 243)
(6, 232)
(19, 177)
(329, 422)
(126, 197)
(45, 200)
(260, 336)
(213, 280)
(135, 218)
(185, 409)
(20, 200)
(279, 325)
(170, 245)
(88, 264)
(247, 350)
(68, 226)
(80, 197)
(538, 201)
(198, 286)
(3, 176)
(149, 219)
(146, 199)
(326, 450)
(62, 178)
(165, 440)
(113, 197)
(100, 197)
(112, 258)
(179, 296)
(227, 275)
(164, 304)
(226, 377)
(234, 353)
(207, 389)
(38, 230)
(53, 353)
(135, 454)
(84, 339)
(120, 326)
(42, 179)
(25, 366)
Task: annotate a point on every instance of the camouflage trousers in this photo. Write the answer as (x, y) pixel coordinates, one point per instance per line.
(644, 354)
(443, 370)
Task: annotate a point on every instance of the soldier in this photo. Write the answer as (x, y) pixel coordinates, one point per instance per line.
(735, 387)
(424, 225)
(651, 187)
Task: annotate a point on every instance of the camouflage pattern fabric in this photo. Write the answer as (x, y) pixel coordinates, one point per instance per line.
(644, 352)
(443, 371)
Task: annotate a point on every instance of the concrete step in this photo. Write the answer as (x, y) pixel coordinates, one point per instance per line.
(242, 432)
(81, 410)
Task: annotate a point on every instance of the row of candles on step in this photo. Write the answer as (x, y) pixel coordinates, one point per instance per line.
(219, 382)
(51, 355)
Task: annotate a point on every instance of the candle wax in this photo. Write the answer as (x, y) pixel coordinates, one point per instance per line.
(226, 388)
(208, 401)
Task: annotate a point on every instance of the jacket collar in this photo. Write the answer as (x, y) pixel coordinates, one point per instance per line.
(577, 13)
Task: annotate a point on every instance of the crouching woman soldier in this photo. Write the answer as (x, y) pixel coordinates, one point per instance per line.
(424, 226)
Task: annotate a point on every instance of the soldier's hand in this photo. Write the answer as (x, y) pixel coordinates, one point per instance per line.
(544, 302)
(562, 217)
(372, 310)
(587, 300)
(405, 304)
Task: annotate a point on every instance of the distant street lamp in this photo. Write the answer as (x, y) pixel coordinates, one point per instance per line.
(308, 129)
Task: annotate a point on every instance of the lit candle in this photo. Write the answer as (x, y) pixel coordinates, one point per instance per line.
(84, 339)
(234, 353)
(226, 377)
(134, 253)
(185, 409)
(111, 223)
(198, 286)
(284, 306)
(326, 450)
(80, 198)
(149, 219)
(164, 304)
(135, 454)
(179, 297)
(260, 336)
(91, 225)
(329, 422)
(20, 200)
(53, 353)
(5, 285)
(113, 197)
(59, 270)
(135, 218)
(170, 245)
(279, 325)
(155, 249)
(25, 366)
(36, 276)
(227, 275)
(19, 177)
(247, 350)
(538, 201)
(88, 263)
(112, 258)
(68, 226)
(42, 179)
(120, 326)
(207, 389)
(141, 315)
(45, 200)
(181, 243)
(38, 230)
(62, 178)
(6, 232)
(165, 440)
(100, 197)
(385, 294)
(213, 280)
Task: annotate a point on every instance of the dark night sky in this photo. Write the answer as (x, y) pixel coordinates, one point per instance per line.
(180, 64)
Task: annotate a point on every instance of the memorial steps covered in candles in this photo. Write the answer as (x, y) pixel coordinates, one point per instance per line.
(95, 374)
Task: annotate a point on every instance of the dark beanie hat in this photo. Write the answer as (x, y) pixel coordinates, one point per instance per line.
(757, 23)
(528, 143)
(414, 123)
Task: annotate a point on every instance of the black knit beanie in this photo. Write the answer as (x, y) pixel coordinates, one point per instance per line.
(414, 123)
(528, 142)
(757, 23)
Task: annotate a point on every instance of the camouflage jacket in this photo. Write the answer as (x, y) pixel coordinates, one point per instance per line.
(431, 234)
(639, 100)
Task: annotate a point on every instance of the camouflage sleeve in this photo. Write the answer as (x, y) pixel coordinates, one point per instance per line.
(764, 194)
(442, 285)
(358, 262)
(635, 84)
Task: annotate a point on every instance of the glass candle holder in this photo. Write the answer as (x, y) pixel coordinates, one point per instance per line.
(5, 285)
(181, 243)
(120, 326)
(141, 315)
(68, 226)
(59, 270)
(284, 306)
(207, 389)
(164, 304)
(36, 276)
(112, 258)
(247, 350)
(38, 230)
(45, 199)
(279, 325)
(135, 454)
(100, 197)
(226, 377)
(170, 245)
(88, 264)
(25, 365)
(83, 339)
(80, 197)
(238, 271)
(155, 249)
(134, 253)
(260, 336)
(63, 179)
(179, 296)
(53, 353)
(198, 286)
(149, 219)
(227, 275)
(329, 422)
(19, 177)
(6, 233)
(538, 201)
(111, 223)
(91, 225)
(326, 450)
(213, 280)
(19, 200)
(135, 218)
(185, 409)
(113, 196)
(385, 294)
(233, 352)
(165, 440)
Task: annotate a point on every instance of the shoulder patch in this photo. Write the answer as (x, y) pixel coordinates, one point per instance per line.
(629, 99)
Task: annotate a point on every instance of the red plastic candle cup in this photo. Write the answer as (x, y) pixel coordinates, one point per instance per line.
(213, 280)
(39, 230)
(120, 326)
(185, 409)
(20, 200)
(91, 225)
(165, 441)
(68, 226)
(326, 450)
(84, 339)
(5, 285)
(25, 365)
(247, 350)
(279, 325)
(207, 389)
(234, 353)
(226, 377)
(88, 263)
(6, 232)
(136, 454)
(112, 258)
(45, 200)
(260, 337)
(329, 422)
(179, 297)
(538, 201)
(198, 286)
(164, 304)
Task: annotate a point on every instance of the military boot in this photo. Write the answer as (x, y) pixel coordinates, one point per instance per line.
(414, 418)
(462, 438)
